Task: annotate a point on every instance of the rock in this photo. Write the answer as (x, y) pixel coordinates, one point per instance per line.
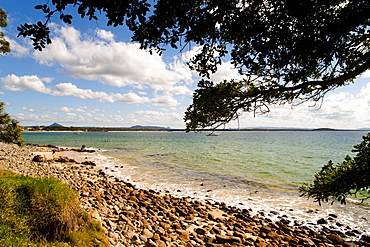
(350, 244)
(150, 243)
(62, 159)
(273, 235)
(147, 233)
(160, 243)
(306, 242)
(90, 163)
(113, 235)
(365, 238)
(259, 243)
(333, 216)
(265, 229)
(335, 239)
(227, 239)
(200, 231)
(38, 158)
(250, 236)
(322, 221)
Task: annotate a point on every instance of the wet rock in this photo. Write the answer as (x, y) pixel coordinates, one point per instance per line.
(89, 163)
(63, 159)
(306, 242)
(350, 244)
(38, 158)
(365, 238)
(335, 239)
(322, 221)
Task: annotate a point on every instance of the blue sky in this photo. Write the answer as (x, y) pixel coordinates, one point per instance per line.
(92, 75)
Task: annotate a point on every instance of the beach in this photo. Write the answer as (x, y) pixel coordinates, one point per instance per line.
(134, 216)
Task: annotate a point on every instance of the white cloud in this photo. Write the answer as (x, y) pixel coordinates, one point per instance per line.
(178, 90)
(35, 118)
(341, 110)
(15, 83)
(366, 74)
(25, 108)
(226, 71)
(65, 109)
(165, 100)
(106, 35)
(47, 79)
(145, 117)
(18, 50)
(116, 63)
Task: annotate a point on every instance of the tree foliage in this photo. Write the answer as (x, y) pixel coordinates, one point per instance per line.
(350, 178)
(289, 50)
(11, 132)
(4, 44)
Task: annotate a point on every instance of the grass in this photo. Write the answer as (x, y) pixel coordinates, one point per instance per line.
(44, 212)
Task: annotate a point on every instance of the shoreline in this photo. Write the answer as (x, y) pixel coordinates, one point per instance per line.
(140, 217)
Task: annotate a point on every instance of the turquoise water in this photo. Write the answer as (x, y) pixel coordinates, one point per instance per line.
(284, 159)
(257, 170)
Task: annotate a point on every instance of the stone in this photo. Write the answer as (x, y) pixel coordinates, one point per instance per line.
(350, 244)
(38, 158)
(227, 239)
(322, 221)
(265, 229)
(147, 233)
(260, 243)
(200, 231)
(273, 235)
(335, 239)
(150, 243)
(306, 242)
(249, 236)
(365, 238)
(113, 235)
(160, 243)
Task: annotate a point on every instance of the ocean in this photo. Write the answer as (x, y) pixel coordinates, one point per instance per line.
(257, 170)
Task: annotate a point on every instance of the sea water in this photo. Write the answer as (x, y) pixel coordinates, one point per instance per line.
(257, 170)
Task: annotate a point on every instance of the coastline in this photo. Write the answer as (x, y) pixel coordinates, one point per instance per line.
(138, 217)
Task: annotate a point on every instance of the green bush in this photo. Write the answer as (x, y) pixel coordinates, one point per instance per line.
(43, 212)
(350, 178)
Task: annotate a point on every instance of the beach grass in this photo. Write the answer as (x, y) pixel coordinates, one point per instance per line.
(44, 212)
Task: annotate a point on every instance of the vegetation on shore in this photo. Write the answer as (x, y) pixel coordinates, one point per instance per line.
(350, 178)
(10, 131)
(44, 212)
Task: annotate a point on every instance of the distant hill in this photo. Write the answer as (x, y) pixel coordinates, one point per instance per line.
(324, 129)
(55, 125)
(138, 127)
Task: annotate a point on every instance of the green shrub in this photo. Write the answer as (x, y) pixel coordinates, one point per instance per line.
(349, 178)
(43, 212)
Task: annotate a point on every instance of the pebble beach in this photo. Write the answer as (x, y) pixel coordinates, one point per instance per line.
(133, 216)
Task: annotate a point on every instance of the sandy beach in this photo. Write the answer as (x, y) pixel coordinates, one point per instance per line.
(136, 217)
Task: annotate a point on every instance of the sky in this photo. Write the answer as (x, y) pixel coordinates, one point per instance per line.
(92, 75)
